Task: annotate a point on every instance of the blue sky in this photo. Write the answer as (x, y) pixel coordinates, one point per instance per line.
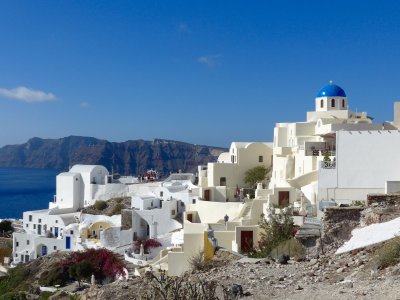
(204, 72)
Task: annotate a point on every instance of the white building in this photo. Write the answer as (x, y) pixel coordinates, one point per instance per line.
(220, 181)
(84, 184)
(365, 163)
(336, 155)
(45, 233)
(300, 147)
(157, 209)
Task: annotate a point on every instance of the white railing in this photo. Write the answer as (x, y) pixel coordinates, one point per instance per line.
(313, 221)
(328, 164)
(310, 152)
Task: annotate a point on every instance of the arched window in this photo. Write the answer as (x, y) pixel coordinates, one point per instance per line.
(333, 102)
(343, 102)
(322, 103)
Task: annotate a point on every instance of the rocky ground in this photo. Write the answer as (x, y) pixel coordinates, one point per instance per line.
(347, 276)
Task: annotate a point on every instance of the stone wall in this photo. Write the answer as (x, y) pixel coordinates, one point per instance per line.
(126, 219)
(338, 223)
(381, 208)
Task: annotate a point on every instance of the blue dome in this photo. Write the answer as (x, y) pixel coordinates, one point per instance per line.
(331, 90)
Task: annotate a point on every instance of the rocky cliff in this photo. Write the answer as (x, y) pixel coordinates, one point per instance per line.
(130, 157)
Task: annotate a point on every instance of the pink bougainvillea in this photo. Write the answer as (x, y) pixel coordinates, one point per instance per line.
(104, 262)
(147, 245)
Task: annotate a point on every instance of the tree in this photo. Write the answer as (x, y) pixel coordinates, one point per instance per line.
(80, 270)
(254, 175)
(104, 263)
(277, 229)
(6, 226)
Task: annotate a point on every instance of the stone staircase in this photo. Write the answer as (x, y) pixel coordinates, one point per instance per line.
(130, 267)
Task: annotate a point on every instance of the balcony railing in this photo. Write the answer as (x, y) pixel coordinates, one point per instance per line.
(320, 152)
(328, 164)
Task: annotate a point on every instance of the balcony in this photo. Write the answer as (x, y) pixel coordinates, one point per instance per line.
(328, 164)
(320, 152)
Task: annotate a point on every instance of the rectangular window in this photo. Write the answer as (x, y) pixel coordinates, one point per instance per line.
(342, 102)
(17, 244)
(222, 181)
(193, 201)
(56, 221)
(260, 158)
(161, 193)
(40, 220)
(322, 103)
(71, 232)
(27, 242)
(333, 102)
(27, 225)
(34, 226)
(55, 247)
(30, 218)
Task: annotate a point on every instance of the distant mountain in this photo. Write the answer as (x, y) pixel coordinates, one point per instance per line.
(130, 157)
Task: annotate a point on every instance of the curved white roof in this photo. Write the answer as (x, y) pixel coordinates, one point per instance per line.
(85, 168)
(224, 157)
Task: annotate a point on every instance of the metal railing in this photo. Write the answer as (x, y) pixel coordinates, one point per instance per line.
(328, 164)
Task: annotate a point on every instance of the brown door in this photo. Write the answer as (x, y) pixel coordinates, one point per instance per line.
(207, 195)
(190, 217)
(283, 199)
(246, 241)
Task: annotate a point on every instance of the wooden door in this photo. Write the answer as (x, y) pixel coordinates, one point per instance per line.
(190, 217)
(283, 199)
(207, 195)
(246, 241)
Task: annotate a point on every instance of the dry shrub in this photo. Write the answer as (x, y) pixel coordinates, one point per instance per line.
(117, 209)
(388, 254)
(178, 288)
(197, 262)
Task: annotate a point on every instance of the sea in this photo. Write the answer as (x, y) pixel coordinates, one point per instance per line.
(25, 189)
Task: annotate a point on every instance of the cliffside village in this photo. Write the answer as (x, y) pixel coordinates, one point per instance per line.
(334, 157)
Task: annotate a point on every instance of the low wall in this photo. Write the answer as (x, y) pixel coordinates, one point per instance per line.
(381, 208)
(338, 222)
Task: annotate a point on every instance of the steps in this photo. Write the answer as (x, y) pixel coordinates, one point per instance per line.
(130, 267)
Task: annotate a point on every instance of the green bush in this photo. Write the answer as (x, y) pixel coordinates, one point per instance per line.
(388, 254)
(54, 276)
(15, 281)
(45, 295)
(254, 175)
(358, 203)
(81, 270)
(12, 296)
(278, 229)
(100, 205)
